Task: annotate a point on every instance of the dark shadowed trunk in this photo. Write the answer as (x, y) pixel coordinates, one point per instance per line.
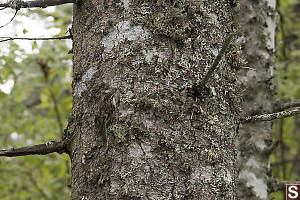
(139, 129)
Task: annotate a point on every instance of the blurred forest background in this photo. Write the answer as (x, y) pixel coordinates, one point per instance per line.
(35, 101)
(285, 160)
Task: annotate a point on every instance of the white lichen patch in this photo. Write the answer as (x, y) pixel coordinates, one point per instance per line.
(121, 32)
(83, 159)
(252, 163)
(258, 184)
(81, 86)
(125, 111)
(135, 151)
(259, 141)
(213, 90)
(215, 52)
(228, 177)
(89, 74)
(150, 53)
(204, 174)
(126, 3)
(148, 123)
(147, 150)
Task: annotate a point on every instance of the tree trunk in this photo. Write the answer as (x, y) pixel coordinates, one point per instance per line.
(138, 128)
(257, 22)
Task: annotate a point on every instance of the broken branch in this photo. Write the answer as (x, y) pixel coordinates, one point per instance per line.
(199, 87)
(40, 149)
(17, 4)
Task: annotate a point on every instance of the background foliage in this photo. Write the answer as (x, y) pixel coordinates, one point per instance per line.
(285, 160)
(40, 101)
(36, 110)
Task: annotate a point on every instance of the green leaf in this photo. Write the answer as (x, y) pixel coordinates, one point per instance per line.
(25, 31)
(34, 45)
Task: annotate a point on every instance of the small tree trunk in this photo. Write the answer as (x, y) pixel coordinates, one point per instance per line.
(257, 21)
(138, 129)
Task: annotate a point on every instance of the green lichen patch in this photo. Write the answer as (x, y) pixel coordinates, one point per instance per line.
(125, 131)
(174, 19)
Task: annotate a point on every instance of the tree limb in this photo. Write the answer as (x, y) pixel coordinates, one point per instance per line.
(17, 4)
(269, 117)
(289, 105)
(199, 87)
(25, 38)
(40, 149)
(10, 19)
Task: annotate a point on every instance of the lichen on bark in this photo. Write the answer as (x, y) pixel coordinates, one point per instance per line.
(143, 134)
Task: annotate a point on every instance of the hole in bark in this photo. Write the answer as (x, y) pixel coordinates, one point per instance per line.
(200, 94)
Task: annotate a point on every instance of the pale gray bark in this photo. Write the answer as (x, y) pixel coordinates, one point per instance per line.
(138, 130)
(257, 22)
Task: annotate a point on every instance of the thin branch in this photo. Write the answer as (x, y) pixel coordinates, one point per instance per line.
(199, 87)
(40, 149)
(289, 105)
(271, 148)
(17, 4)
(10, 19)
(272, 116)
(25, 38)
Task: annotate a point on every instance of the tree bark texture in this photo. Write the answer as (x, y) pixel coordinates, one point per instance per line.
(138, 129)
(257, 22)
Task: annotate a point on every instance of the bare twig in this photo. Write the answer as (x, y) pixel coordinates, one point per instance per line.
(25, 38)
(33, 4)
(289, 105)
(199, 87)
(272, 116)
(10, 19)
(40, 149)
(271, 148)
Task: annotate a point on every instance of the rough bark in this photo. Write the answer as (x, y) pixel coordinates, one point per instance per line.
(257, 22)
(138, 129)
